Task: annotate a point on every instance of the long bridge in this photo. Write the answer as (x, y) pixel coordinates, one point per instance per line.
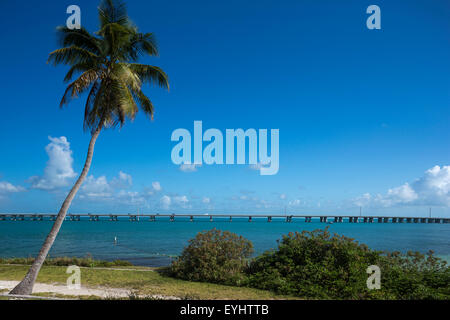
(192, 217)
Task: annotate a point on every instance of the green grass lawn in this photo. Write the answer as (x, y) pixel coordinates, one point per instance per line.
(143, 281)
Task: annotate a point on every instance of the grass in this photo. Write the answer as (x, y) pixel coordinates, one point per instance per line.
(142, 281)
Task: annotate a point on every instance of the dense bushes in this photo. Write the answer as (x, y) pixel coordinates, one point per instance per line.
(324, 266)
(214, 256)
(415, 276)
(314, 265)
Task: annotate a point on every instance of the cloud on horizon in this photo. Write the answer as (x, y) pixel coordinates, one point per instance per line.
(432, 189)
(7, 188)
(58, 171)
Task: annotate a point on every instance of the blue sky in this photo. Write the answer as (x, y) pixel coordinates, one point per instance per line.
(363, 114)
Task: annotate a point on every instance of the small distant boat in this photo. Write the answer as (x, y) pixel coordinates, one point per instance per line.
(330, 222)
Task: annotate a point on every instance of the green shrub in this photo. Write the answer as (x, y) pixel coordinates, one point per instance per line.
(214, 256)
(315, 265)
(312, 265)
(415, 276)
(319, 265)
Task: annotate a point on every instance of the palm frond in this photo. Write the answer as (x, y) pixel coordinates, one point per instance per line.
(113, 11)
(72, 55)
(151, 74)
(144, 102)
(79, 68)
(141, 44)
(80, 38)
(79, 86)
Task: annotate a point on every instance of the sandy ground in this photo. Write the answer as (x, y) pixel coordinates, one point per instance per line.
(83, 291)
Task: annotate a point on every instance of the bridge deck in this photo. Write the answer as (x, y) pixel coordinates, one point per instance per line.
(288, 218)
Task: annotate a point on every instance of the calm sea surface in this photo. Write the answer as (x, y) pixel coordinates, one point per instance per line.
(156, 243)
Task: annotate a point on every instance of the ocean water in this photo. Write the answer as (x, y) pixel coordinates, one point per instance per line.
(156, 243)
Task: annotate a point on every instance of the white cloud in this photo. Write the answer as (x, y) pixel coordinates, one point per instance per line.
(124, 180)
(181, 201)
(156, 186)
(130, 198)
(6, 188)
(189, 167)
(165, 202)
(58, 171)
(96, 188)
(432, 189)
(295, 203)
(282, 196)
(101, 188)
(402, 194)
(206, 200)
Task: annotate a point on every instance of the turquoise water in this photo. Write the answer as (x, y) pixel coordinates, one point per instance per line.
(155, 243)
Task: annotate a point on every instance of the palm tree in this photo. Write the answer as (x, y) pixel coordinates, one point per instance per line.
(108, 71)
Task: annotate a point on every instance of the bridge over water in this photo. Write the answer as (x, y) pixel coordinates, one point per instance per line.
(221, 217)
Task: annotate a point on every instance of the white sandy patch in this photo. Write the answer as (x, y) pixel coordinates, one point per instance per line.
(83, 291)
(64, 290)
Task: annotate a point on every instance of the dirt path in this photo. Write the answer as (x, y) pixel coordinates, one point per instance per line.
(83, 291)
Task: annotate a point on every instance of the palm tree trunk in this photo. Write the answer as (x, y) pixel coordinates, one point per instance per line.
(25, 287)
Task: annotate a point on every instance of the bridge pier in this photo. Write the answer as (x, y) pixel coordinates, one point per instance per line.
(416, 220)
(430, 220)
(289, 219)
(394, 220)
(371, 220)
(210, 218)
(423, 220)
(408, 220)
(172, 218)
(250, 219)
(111, 218)
(446, 221)
(437, 220)
(269, 219)
(152, 219)
(365, 219)
(400, 220)
(192, 219)
(308, 219)
(231, 219)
